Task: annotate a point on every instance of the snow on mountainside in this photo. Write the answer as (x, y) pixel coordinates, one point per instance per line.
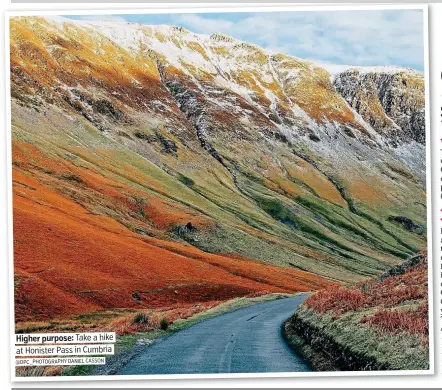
(335, 69)
(219, 58)
(270, 157)
(288, 95)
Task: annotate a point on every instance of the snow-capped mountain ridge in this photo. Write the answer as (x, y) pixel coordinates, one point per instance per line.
(288, 95)
(120, 26)
(335, 69)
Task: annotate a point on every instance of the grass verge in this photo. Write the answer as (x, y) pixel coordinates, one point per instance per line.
(380, 324)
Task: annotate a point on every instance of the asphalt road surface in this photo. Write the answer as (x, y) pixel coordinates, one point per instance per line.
(242, 341)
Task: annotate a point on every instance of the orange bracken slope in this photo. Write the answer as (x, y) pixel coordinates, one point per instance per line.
(69, 261)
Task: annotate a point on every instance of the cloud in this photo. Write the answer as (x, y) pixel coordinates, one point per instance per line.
(203, 25)
(389, 37)
(384, 37)
(107, 18)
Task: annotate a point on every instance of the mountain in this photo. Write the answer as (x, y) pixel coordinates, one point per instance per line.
(155, 165)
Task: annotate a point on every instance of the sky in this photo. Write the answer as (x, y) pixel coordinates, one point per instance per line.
(370, 38)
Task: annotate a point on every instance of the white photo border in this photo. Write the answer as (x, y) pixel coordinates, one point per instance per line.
(223, 9)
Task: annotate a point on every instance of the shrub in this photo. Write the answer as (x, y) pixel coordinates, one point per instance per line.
(414, 321)
(164, 324)
(187, 181)
(136, 296)
(140, 318)
(71, 177)
(387, 292)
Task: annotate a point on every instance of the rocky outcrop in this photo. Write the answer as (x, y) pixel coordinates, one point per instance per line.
(407, 224)
(392, 101)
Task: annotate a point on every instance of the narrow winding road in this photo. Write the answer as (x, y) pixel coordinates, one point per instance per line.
(242, 341)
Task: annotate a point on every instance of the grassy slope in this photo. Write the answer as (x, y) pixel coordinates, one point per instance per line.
(111, 267)
(103, 189)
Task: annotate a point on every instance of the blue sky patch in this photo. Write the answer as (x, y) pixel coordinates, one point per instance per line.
(370, 38)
